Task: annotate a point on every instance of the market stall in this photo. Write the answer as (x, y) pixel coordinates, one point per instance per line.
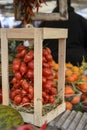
(33, 83)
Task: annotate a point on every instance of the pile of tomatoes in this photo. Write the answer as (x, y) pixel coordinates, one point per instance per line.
(22, 84)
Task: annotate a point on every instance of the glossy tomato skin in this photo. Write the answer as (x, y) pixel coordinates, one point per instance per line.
(20, 48)
(17, 99)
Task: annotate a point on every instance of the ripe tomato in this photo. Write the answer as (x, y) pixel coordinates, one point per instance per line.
(23, 92)
(25, 85)
(18, 76)
(30, 74)
(31, 64)
(43, 80)
(23, 68)
(17, 99)
(47, 72)
(20, 48)
(49, 58)
(21, 54)
(51, 99)
(31, 91)
(25, 100)
(14, 80)
(29, 56)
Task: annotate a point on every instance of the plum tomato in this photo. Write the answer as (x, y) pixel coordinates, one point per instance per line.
(20, 48)
(25, 100)
(51, 99)
(17, 99)
(47, 72)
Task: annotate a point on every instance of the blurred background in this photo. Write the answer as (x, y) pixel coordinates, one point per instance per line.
(7, 11)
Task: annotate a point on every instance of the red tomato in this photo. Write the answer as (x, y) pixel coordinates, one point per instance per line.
(21, 54)
(25, 100)
(44, 60)
(43, 80)
(30, 96)
(23, 68)
(48, 50)
(20, 48)
(31, 90)
(45, 52)
(47, 72)
(46, 65)
(30, 74)
(49, 57)
(29, 56)
(31, 64)
(51, 99)
(52, 83)
(18, 76)
(14, 80)
(16, 67)
(44, 94)
(12, 95)
(17, 99)
(23, 92)
(53, 91)
(47, 86)
(25, 85)
(18, 91)
(51, 77)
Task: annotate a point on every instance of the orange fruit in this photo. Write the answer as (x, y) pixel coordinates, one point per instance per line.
(72, 78)
(83, 87)
(76, 99)
(69, 65)
(69, 106)
(68, 72)
(68, 91)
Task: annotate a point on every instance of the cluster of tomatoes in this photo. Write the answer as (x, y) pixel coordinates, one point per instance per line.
(22, 84)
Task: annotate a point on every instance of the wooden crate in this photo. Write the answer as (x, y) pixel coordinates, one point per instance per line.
(61, 15)
(38, 34)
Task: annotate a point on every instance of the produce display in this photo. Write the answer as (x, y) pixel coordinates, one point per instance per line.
(75, 86)
(22, 83)
(9, 117)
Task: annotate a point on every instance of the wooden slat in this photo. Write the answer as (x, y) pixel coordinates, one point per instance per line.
(85, 128)
(82, 122)
(75, 122)
(52, 123)
(38, 76)
(4, 67)
(50, 33)
(68, 120)
(62, 119)
(20, 33)
(28, 33)
(48, 17)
